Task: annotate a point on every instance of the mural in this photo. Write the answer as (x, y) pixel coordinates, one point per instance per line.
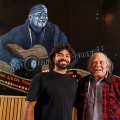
(25, 47)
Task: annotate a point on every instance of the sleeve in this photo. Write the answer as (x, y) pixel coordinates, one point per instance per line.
(59, 35)
(115, 97)
(5, 55)
(14, 36)
(62, 37)
(35, 88)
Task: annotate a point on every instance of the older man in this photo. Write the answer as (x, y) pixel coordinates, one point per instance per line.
(98, 94)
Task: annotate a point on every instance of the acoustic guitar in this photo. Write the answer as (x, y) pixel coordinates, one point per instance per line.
(36, 57)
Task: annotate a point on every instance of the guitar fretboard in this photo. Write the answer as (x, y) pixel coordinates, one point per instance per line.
(89, 53)
(44, 61)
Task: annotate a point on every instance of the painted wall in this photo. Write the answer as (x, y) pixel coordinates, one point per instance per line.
(86, 23)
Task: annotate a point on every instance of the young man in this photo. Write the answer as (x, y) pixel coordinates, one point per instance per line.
(55, 91)
(98, 94)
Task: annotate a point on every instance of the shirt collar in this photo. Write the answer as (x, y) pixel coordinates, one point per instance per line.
(106, 78)
(109, 79)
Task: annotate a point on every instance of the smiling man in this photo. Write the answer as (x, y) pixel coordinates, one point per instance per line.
(55, 90)
(99, 91)
(99, 66)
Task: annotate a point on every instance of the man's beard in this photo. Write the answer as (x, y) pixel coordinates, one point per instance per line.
(61, 65)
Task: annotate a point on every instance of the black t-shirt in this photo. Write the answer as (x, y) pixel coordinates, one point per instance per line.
(56, 94)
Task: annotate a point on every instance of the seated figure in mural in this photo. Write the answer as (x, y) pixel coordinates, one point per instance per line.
(36, 30)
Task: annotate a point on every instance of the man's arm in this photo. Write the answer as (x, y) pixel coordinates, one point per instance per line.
(17, 35)
(28, 113)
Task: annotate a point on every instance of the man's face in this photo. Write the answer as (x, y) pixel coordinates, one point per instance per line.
(39, 19)
(62, 59)
(99, 67)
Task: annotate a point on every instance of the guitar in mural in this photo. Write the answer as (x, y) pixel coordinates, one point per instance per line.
(33, 60)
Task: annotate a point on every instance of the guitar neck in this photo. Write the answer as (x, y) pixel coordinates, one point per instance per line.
(44, 61)
(84, 54)
(88, 53)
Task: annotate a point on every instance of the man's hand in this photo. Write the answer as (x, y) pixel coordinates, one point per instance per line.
(46, 70)
(16, 64)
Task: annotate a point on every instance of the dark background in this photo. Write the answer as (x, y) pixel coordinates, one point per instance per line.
(87, 23)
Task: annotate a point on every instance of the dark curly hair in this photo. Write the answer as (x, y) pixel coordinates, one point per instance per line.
(57, 49)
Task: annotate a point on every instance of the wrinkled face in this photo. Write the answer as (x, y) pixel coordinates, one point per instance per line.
(62, 59)
(39, 19)
(99, 66)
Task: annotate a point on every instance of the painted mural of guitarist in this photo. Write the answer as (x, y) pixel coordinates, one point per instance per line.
(36, 30)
